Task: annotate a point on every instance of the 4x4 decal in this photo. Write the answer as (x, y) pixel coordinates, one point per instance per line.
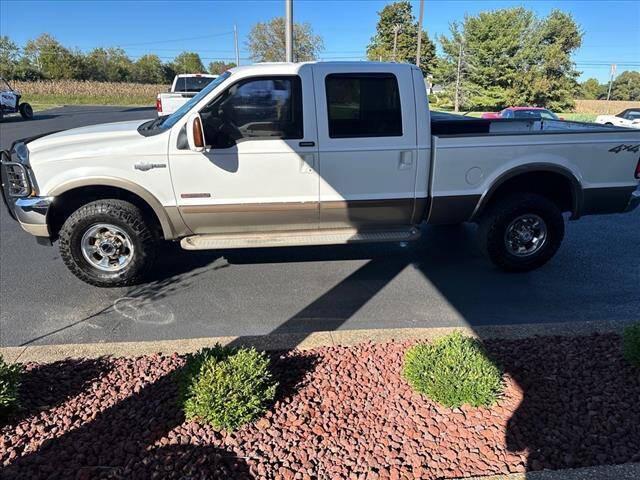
(625, 148)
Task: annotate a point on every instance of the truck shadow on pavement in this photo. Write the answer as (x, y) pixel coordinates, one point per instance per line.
(576, 410)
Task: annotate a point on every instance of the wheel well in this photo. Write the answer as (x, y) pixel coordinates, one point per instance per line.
(68, 202)
(555, 186)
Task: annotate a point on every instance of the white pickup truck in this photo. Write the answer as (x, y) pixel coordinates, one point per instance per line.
(312, 154)
(184, 87)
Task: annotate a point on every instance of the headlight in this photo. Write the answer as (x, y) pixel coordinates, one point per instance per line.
(22, 152)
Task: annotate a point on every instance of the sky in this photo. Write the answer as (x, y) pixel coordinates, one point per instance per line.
(611, 28)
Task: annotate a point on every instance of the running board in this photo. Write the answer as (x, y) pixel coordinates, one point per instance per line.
(292, 239)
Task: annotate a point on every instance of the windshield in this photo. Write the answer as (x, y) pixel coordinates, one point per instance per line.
(172, 119)
(192, 84)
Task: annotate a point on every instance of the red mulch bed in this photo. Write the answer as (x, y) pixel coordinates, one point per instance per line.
(342, 412)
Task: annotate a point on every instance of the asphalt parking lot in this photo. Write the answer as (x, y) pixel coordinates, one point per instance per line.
(440, 281)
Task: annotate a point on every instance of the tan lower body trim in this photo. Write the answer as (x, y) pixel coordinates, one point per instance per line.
(374, 213)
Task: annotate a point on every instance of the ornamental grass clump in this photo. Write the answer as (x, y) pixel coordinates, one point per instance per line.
(9, 385)
(226, 387)
(454, 370)
(631, 344)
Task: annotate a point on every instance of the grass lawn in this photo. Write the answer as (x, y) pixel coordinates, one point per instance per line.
(49, 101)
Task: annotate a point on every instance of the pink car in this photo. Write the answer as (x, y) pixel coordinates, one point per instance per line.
(523, 113)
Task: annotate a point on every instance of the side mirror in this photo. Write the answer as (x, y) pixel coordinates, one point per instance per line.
(195, 133)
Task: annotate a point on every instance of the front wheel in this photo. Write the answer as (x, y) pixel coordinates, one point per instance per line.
(26, 111)
(108, 243)
(521, 232)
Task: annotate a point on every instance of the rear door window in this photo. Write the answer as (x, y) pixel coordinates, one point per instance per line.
(363, 105)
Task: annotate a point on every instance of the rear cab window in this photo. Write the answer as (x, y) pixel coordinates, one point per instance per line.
(192, 84)
(363, 105)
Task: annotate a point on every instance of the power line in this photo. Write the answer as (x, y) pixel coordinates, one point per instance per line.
(178, 39)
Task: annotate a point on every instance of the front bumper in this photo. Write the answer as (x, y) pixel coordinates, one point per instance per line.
(634, 201)
(30, 212)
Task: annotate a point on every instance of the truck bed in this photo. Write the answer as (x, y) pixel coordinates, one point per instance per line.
(447, 125)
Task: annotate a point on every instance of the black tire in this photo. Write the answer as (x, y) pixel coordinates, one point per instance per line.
(493, 226)
(124, 216)
(26, 111)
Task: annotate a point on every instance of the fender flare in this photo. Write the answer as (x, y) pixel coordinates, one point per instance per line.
(577, 196)
(172, 225)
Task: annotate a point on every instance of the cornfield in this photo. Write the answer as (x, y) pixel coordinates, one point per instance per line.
(64, 92)
(603, 107)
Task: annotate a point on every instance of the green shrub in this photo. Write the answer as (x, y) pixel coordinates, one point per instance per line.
(631, 343)
(454, 370)
(226, 387)
(9, 384)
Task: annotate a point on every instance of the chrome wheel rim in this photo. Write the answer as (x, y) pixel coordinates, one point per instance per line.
(107, 247)
(525, 235)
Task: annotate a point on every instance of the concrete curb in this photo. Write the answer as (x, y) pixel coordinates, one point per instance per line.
(627, 471)
(302, 341)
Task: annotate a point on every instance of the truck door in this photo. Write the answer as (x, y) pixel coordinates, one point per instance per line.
(258, 172)
(367, 139)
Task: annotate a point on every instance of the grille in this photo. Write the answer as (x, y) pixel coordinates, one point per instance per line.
(15, 180)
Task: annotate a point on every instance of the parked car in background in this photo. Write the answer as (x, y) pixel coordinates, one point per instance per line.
(627, 118)
(184, 87)
(523, 113)
(286, 154)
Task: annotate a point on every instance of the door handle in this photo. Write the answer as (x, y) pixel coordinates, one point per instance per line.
(307, 163)
(307, 144)
(406, 160)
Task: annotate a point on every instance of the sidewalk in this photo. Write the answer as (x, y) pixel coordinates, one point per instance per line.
(302, 341)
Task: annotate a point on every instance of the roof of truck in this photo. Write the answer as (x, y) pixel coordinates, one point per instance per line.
(293, 66)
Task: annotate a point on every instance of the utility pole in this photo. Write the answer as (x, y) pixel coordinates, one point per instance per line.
(235, 41)
(456, 106)
(420, 33)
(288, 30)
(613, 73)
(396, 29)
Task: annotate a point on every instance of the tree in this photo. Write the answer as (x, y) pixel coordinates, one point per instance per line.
(591, 89)
(148, 69)
(9, 57)
(267, 42)
(109, 65)
(550, 77)
(48, 57)
(626, 86)
(218, 67)
(400, 15)
(188, 62)
(511, 57)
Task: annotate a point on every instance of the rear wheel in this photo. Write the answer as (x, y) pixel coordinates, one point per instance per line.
(521, 232)
(108, 243)
(26, 111)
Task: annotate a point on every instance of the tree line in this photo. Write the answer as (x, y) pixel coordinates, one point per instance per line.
(45, 58)
(626, 86)
(491, 60)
